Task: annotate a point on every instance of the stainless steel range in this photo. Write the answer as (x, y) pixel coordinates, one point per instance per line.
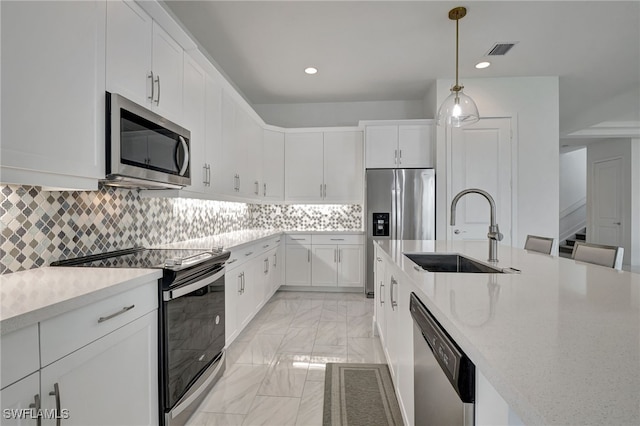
(191, 320)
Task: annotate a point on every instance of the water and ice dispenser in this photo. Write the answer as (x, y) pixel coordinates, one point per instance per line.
(380, 224)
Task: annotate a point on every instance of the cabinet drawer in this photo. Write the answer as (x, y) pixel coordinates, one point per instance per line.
(65, 333)
(299, 239)
(338, 239)
(242, 254)
(20, 354)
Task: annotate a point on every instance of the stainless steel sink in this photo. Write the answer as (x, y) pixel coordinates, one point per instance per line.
(434, 262)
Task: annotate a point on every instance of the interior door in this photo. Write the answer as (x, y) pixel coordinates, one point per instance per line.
(480, 157)
(607, 202)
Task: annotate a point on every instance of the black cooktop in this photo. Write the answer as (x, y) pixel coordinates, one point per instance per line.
(138, 257)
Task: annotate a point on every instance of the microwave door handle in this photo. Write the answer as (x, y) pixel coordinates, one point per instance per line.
(185, 162)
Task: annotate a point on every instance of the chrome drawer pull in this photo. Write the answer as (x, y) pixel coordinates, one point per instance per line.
(125, 309)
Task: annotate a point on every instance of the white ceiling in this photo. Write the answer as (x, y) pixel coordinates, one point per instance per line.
(393, 50)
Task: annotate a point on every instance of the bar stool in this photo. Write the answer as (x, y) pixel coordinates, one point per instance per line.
(539, 244)
(598, 254)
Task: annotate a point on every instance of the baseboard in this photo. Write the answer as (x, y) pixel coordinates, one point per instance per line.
(321, 289)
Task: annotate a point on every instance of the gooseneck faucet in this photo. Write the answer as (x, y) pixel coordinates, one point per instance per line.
(494, 234)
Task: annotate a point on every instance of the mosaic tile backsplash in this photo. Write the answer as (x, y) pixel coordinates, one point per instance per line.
(39, 227)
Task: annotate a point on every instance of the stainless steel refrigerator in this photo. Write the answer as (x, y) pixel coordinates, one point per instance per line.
(400, 206)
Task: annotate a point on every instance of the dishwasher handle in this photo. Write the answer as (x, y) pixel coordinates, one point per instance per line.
(455, 364)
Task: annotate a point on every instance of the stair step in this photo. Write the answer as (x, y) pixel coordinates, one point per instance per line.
(565, 248)
(582, 236)
(565, 255)
(570, 242)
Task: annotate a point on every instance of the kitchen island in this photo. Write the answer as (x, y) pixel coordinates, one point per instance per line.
(559, 341)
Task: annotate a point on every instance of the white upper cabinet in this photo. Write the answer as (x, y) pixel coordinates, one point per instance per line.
(194, 121)
(129, 47)
(303, 162)
(343, 180)
(53, 74)
(273, 165)
(324, 167)
(144, 63)
(167, 68)
(399, 146)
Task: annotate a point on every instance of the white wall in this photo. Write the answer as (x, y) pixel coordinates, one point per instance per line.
(532, 102)
(629, 151)
(337, 113)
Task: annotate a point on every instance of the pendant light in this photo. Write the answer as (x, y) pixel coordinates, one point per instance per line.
(458, 109)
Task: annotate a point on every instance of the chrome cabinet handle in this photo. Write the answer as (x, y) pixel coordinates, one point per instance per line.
(265, 246)
(298, 239)
(400, 157)
(275, 260)
(379, 259)
(56, 394)
(395, 155)
(239, 283)
(335, 256)
(264, 185)
(308, 255)
(120, 312)
(229, 262)
(158, 99)
(257, 184)
(457, 231)
(339, 255)
(204, 175)
(381, 292)
(617, 223)
(36, 405)
(238, 183)
(248, 253)
(325, 191)
(320, 190)
(393, 302)
(337, 239)
(150, 76)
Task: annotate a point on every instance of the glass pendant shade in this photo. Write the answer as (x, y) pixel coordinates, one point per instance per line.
(457, 110)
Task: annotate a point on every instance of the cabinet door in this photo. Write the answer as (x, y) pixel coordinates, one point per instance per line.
(53, 93)
(324, 262)
(228, 182)
(380, 296)
(350, 265)
(303, 167)
(253, 187)
(17, 398)
(273, 165)
(381, 147)
(415, 146)
(232, 290)
(112, 381)
(167, 65)
(279, 262)
(298, 265)
(194, 120)
(404, 343)
(391, 320)
(213, 131)
(129, 30)
(343, 170)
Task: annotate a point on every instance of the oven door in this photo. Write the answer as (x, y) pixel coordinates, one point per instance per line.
(193, 340)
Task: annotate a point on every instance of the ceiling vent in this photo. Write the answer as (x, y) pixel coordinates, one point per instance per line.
(500, 49)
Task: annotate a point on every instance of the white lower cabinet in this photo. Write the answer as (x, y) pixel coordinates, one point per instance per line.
(325, 260)
(298, 260)
(107, 373)
(19, 399)
(112, 381)
(337, 260)
(250, 281)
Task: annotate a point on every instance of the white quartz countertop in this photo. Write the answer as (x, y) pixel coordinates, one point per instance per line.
(560, 341)
(28, 297)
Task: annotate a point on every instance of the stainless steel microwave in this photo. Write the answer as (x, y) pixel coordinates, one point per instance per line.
(144, 150)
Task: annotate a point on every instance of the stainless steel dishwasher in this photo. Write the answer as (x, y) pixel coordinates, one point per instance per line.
(444, 377)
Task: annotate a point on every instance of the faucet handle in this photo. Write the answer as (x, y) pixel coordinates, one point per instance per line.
(494, 233)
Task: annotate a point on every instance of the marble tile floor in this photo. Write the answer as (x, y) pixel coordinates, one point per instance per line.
(275, 367)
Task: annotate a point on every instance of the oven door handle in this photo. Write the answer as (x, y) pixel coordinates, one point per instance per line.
(189, 288)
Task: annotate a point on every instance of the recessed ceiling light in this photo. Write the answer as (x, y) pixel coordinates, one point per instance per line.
(483, 64)
(311, 70)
